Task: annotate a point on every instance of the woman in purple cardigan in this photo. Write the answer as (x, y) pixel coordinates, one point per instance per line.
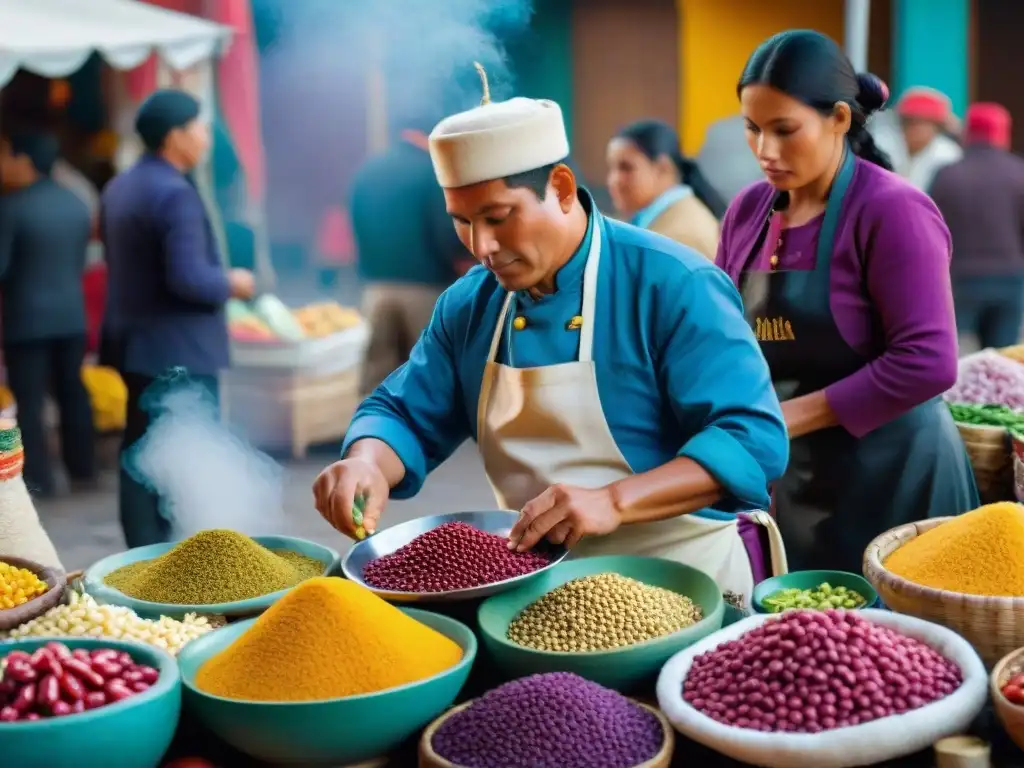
(844, 268)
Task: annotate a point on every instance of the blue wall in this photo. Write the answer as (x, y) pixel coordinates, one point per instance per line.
(931, 47)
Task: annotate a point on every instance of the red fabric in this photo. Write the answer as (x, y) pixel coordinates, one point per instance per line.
(989, 123)
(94, 285)
(925, 104)
(334, 240)
(238, 94)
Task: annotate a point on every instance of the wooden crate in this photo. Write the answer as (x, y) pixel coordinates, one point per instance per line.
(292, 410)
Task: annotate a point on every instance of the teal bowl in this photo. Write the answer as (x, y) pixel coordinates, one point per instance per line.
(129, 734)
(331, 732)
(810, 580)
(94, 575)
(624, 669)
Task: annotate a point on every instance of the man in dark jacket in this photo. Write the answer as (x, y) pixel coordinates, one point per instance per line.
(44, 235)
(167, 286)
(407, 250)
(982, 199)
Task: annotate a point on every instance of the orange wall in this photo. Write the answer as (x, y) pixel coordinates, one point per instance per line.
(717, 36)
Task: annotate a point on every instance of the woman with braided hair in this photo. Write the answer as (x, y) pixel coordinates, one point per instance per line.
(844, 268)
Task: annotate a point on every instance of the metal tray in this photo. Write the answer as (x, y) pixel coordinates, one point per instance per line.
(497, 521)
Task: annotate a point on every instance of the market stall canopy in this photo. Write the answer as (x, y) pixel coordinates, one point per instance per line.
(53, 38)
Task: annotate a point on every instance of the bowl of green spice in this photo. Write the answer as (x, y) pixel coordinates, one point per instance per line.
(814, 590)
(218, 571)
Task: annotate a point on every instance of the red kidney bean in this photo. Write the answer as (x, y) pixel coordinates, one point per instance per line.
(84, 672)
(59, 650)
(32, 717)
(20, 672)
(78, 706)
(116, 690)
(132, 676)
(49, 691)
(104, 654)
(108, 670)
(95, 699)
(81, 654)
(18, 656)
(139, 686)
(26, 698)
(125, 659)
(149, 674)
(9, 715)
(72, 688)
(60, 708)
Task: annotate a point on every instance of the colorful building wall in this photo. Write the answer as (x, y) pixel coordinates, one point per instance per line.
(716, 38)
(931, 46)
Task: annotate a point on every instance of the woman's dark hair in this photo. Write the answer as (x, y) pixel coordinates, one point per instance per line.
(654, 139)
(812, 68)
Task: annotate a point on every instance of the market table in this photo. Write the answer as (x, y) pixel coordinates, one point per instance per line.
(193, 740)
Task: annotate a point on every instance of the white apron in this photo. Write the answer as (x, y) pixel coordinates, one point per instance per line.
(540, 426)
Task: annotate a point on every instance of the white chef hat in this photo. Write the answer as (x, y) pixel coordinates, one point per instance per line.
(495, 140)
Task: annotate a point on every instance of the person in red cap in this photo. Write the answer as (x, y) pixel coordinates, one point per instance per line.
(927, 119)
(982, 199)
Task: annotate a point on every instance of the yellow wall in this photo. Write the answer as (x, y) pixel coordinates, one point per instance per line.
(717, 36)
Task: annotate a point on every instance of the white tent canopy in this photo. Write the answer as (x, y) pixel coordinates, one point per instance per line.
(54, 38)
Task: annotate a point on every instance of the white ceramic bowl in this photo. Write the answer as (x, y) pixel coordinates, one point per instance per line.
(856, 745)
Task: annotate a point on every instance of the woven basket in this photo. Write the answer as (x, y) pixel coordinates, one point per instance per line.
(55, 579)
(993, 625)
(991, 454)
(1010, 715)
(430, 759)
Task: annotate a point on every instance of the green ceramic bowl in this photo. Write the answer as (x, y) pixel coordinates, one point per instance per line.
(624, 669)
(94, 575)
(332, 732)
(810, 580)
(132, 733)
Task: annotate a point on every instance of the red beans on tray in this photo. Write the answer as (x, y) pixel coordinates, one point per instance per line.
(811, 671)
(55, 681)
(451, 556)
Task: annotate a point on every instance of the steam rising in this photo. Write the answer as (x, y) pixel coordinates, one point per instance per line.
(316, 75)
(205, 475)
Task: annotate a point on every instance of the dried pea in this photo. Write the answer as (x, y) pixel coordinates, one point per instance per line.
(601, 612)
(820, 598)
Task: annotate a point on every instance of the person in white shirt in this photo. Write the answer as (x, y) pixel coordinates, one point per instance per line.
(927, 119)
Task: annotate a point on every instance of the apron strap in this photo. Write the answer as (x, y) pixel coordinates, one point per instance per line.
(492, 354)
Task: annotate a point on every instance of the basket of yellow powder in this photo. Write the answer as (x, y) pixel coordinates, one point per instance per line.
(966, 573)
(331, 674)
(27, 590)
(216, 571)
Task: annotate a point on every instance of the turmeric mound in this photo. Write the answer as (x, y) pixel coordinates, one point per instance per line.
(326, 639)
(977, 553)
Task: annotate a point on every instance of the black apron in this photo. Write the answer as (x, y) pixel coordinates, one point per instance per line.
(840, 491)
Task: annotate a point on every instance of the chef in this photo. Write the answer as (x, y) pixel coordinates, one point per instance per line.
(616, 393)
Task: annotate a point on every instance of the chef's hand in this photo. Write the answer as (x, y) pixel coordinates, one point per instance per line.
(336, 488)
(564, 514)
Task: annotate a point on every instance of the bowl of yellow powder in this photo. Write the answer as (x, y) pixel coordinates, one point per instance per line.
(217, 571)
(964, 572)
(331, 674)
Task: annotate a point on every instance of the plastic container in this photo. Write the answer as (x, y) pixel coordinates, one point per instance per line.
(94, 575)
(331, 732)
(130, 733)
(622, 669)
(810, 580)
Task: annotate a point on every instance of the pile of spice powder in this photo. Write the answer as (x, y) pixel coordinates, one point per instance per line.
(554, 720)
(214, 566)
(977, 553)
(451, 556)
(326, 639)
(600, 612)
